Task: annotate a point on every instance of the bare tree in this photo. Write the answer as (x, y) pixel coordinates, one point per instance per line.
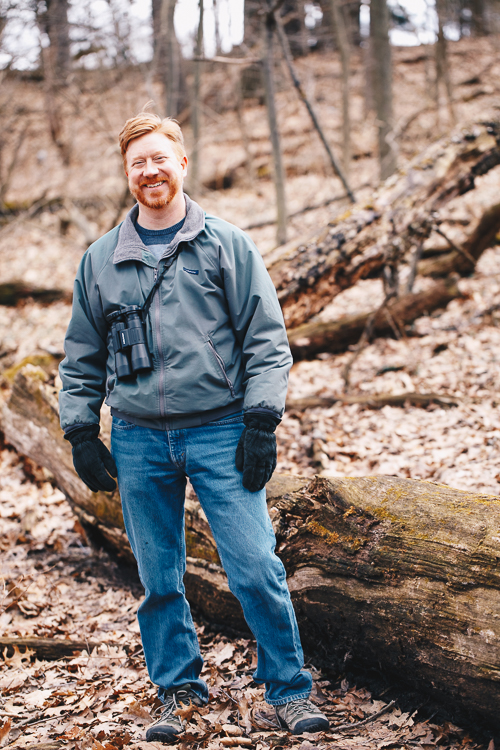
(57, 29)
(53, 21)
(218, 45)
(341, 35)
(479, 20)
(252, 21)
(381, 61)
(167, 57)
(279, 171)
(295, 80)
(442, 67)
(195, 103)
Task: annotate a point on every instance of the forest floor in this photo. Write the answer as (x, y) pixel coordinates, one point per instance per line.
(56, 586)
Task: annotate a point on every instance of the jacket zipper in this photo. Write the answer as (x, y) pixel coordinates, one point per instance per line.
(222, 366)
(161, 374)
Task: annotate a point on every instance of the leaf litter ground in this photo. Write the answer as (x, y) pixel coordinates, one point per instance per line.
(56, 586)
(100, 697)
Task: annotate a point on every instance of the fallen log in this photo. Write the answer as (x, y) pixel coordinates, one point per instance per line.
(13, 292)
(373, 400)
(309, 275)
(391, 572)
(310, 339)
(483, 236)
(45, 648)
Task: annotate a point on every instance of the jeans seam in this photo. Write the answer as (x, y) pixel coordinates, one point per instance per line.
(288, 699)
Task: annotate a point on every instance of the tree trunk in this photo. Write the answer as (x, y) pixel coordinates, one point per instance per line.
(307, 277)
(252, 23)
(342, 39)
(56, 64)
(382, 85)
(195, 106)
(479, 20)
(442, 67)
(310, 339)
(168, 58)
(279, 171)
(394, 573)
(57, 28)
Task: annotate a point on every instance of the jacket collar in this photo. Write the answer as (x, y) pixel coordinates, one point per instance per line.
(131, 247)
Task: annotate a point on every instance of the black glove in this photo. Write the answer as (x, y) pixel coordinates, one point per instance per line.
(91, 458)
(256, 450)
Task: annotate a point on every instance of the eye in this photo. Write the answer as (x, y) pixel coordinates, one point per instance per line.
(160, 158)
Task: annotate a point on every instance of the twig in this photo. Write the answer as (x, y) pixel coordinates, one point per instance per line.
(229, 60)
(374, 401)
(365, 339)
(323, 204)
(456, 247)
(417, 255)
(295, 80)
(365, 721)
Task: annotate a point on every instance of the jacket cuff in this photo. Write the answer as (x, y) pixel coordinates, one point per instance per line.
(260, 410)
(80, 433)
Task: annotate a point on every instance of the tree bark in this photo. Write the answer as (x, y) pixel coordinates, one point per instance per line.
(342, 39)
(13, 292)
(195, 105)
(279, 171)
(442, 66)
(373, 401)
(57, 28)
(393, 573)
(310, 339)
(308, 276)
(168, 58)
(382, 85)
(46, 648)
(56, 65)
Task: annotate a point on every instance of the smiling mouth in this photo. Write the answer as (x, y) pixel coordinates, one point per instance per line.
(153, 184)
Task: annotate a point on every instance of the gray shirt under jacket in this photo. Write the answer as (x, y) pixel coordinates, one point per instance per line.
(158, 239)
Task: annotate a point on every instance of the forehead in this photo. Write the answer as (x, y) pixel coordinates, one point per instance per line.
(149, 145)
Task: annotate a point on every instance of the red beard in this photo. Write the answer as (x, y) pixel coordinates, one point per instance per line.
(162, 200)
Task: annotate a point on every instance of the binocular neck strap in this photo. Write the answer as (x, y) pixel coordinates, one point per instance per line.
(156, 285)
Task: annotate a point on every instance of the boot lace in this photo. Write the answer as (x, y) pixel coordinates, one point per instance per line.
(172, 703)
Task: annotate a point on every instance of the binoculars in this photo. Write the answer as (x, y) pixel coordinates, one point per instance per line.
(129, 342)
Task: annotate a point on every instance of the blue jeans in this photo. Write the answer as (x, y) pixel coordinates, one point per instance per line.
(152, 469)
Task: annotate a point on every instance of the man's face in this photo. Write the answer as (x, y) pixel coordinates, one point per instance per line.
(155, 173)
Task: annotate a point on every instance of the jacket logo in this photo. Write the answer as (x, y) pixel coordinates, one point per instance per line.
(190, 270)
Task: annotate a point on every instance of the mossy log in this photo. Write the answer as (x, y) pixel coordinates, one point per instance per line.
(396, 573)
(309, 275)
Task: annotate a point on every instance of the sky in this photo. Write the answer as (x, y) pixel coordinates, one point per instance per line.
(22, 40)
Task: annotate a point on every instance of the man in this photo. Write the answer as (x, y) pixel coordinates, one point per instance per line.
(202, 403)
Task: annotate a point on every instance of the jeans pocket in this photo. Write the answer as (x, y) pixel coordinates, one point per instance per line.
(121, 424)
(230, 419)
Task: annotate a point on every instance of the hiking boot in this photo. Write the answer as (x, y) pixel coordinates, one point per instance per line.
(301, 716)
(168, 725)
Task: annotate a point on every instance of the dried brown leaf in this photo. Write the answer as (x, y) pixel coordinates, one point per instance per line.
(4, 730)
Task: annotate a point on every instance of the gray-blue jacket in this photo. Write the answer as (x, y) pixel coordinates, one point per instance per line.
(215, 328)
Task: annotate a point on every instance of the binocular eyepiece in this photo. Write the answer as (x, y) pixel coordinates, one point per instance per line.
(129, 342)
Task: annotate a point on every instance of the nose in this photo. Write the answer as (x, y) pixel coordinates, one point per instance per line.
(150, 167)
